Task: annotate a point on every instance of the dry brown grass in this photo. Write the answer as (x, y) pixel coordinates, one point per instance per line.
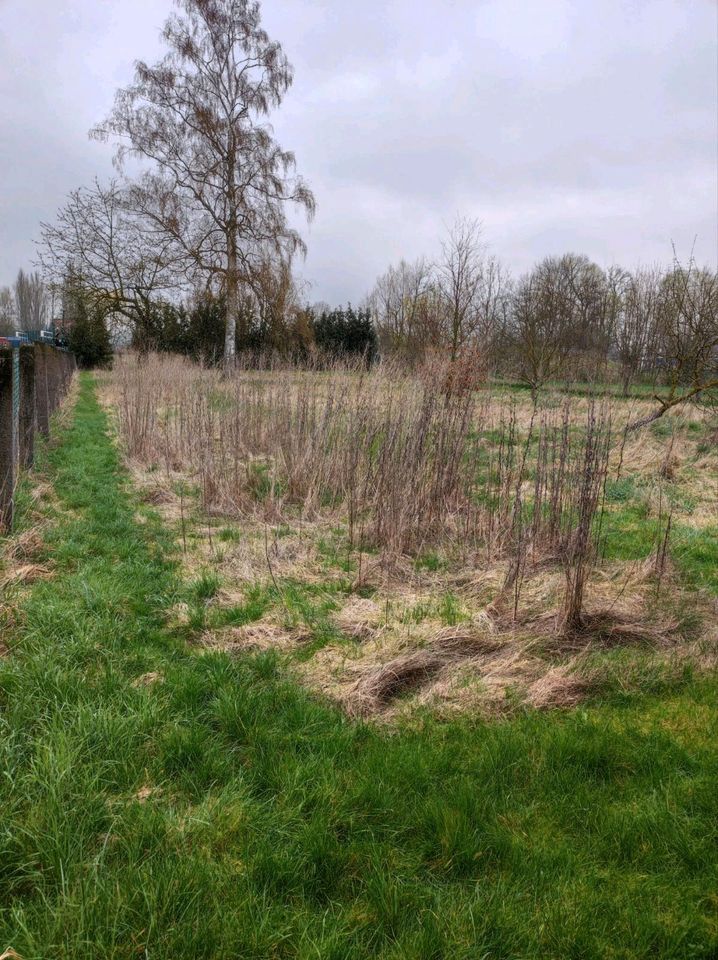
(254, 638)
(148, 680)
(505, 564)
(360, 618)
(147, 793)
(26, 546)
(386, 662)
(478, 664)
(22, 551)
(561, 686)
(378, 687)
(20, 565)
(453, 669)
(397, 458)
(24, 573)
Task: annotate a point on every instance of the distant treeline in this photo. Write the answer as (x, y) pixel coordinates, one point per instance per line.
(197, 330)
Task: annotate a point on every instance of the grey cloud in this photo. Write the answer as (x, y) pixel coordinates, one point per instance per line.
(561, 124)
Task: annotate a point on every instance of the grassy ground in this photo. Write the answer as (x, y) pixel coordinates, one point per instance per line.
(158, 802)
(386, 624)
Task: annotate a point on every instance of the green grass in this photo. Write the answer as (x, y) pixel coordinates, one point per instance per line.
(223, 812)
(629, 534)
(206, 586)
(429, 560)
(696, 554)
(637, 391)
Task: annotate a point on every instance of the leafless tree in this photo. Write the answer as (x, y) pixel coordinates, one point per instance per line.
(494, 302)
(635, 335)
(460, 273)
(277, 300)
(30, 301)
(687, 338)
(543, 322)
(98, 239)
(616, 285)
(7, 311)
(595, 299)
(219, 184)
(460, 301)
(405, 309)
(472, 285)
(564, 319)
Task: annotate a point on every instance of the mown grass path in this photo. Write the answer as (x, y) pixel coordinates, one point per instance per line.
(164, 804)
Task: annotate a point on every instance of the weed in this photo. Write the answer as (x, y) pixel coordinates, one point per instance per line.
(205, 587)
(229, 535)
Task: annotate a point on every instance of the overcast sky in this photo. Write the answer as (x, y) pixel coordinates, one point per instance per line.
(583, 125)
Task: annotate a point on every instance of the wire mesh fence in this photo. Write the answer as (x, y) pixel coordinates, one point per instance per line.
(34, 377)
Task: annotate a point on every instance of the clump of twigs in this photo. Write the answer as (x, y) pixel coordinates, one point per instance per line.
(554, 489)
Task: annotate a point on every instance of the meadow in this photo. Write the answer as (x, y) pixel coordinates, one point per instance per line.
(350, 664)
(413, 539)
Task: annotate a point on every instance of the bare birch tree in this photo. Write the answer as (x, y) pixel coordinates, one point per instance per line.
(219, 185)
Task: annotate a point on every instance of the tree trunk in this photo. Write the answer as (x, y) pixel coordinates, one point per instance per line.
(232, 308)
(671, 402)
(627, 378)
(455, 333)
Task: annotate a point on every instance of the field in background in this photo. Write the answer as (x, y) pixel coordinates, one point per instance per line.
(407, 541)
